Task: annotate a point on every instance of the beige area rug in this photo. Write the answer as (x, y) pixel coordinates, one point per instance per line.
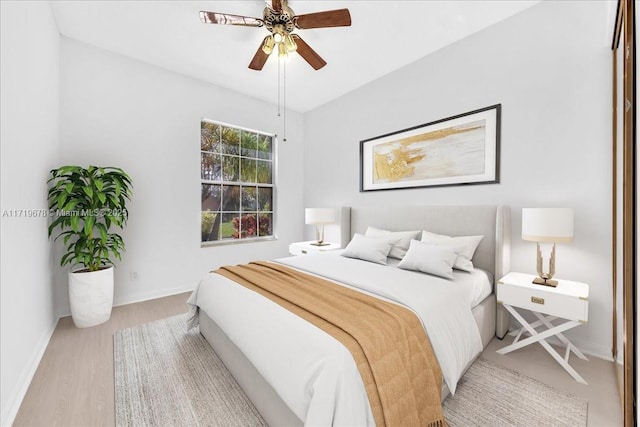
(168, 376)
(489, 395)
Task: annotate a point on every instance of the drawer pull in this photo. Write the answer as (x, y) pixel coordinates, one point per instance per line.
(304, 251)
(537, 300)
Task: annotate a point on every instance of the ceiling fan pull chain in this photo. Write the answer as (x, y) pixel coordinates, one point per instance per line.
(284, 101)
(279, 86)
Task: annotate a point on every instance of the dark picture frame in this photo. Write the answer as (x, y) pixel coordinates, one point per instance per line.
(458, 150)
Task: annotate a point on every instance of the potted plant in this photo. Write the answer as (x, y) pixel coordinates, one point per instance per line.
(86, 205)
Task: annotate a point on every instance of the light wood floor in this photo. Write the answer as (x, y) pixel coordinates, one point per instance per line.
(73, 385)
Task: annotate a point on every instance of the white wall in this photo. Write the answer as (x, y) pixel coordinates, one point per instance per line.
(549, 67)
(116, 111)
(29, 88)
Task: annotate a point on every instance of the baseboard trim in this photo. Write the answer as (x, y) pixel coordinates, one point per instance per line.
(600, 351)
(20, 390)
(154, 295)
(143, 297)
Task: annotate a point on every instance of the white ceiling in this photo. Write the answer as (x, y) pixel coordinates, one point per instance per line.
(384, 36)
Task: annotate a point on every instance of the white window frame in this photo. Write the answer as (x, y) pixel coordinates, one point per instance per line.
(273, 186)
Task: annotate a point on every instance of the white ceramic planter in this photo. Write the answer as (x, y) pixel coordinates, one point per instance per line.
(91, 297)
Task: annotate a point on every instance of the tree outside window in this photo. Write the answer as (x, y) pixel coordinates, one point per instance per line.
(236, 169)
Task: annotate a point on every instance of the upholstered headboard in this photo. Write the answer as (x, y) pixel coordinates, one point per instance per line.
(493, 222)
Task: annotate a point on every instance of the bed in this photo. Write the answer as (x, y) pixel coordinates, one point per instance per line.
(284, 398)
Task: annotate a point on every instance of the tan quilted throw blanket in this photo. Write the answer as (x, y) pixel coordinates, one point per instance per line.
(389, 345)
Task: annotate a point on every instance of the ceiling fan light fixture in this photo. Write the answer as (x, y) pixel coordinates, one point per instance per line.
(282, 50)
(268, 45)
(278, 38)
(290, 43)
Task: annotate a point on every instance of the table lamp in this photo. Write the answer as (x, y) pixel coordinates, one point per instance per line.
(547, 225)
(319, 217)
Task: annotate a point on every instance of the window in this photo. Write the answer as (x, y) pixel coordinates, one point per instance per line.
(236, 168)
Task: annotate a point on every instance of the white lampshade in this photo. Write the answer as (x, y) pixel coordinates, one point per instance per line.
(319, 215)
(553, 225)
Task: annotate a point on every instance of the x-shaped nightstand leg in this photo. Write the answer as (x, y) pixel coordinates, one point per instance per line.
(546, 321)
(534, 325)
(540, 337)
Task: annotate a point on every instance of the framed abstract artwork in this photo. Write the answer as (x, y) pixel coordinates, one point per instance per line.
(458, 150)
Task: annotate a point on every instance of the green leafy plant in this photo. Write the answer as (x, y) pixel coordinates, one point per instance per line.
(85, 205)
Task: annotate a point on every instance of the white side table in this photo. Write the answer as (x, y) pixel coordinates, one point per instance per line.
(569, 301)
(304, 248)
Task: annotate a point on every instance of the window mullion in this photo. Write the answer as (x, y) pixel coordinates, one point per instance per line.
(229, 144)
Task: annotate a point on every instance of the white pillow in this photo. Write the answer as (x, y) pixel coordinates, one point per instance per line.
(465, 246)
(369, 249)
(428, 258)
(403, 237)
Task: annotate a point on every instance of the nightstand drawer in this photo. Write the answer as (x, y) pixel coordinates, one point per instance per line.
(298, 250)
(544, 301)
(304, 248)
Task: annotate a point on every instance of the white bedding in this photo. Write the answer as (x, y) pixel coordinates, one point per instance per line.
(313, 373)
(479, 283)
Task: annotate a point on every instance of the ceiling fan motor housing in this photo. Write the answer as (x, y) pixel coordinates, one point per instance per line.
(284, 18)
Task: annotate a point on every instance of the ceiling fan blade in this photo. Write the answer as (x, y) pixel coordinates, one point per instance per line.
(259, 58)
(226, 19)
(308, 54)
(330, 18)
(276, 5)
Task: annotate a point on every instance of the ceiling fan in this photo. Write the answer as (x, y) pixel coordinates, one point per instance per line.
(281, 21)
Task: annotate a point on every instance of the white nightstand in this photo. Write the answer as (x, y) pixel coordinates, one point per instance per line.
(569, 300)
(303, 248)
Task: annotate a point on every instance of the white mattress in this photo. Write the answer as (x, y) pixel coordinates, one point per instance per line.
(479, 284)
(318, 380)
